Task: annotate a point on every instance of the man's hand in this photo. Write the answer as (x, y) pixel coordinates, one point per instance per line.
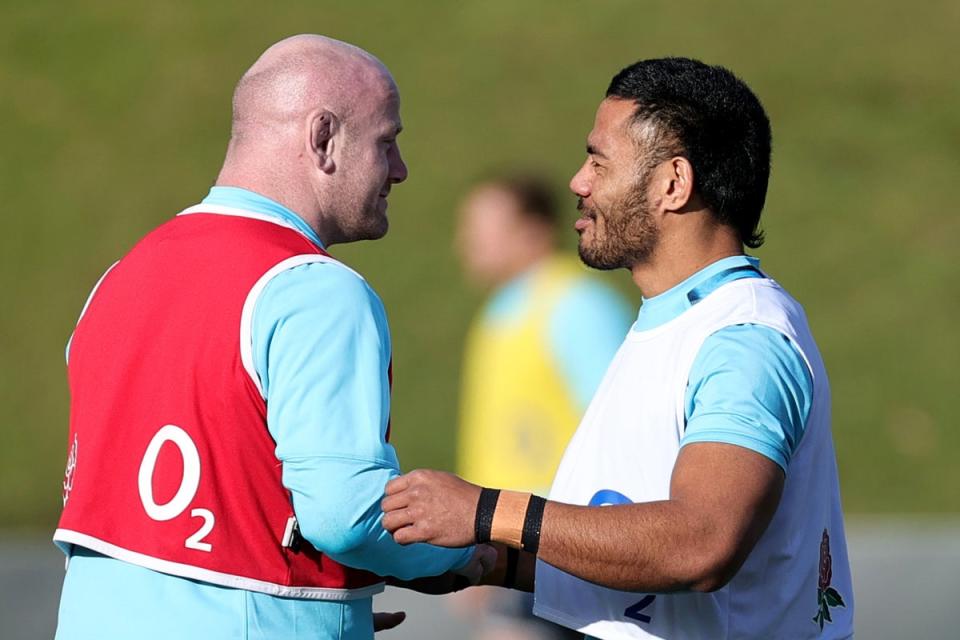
(431, 506)
(483, 560)
(384, 621)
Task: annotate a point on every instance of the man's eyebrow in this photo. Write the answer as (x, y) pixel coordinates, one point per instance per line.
(593, 151)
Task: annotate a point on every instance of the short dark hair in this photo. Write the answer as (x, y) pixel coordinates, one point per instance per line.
(534, 194)
(712, 118)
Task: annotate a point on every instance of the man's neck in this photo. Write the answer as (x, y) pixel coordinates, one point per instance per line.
(273, 187)
(669, 265)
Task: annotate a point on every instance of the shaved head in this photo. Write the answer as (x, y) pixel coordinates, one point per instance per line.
(314, 127)
(302, 73)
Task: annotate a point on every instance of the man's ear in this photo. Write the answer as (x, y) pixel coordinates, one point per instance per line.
(322, 129)
(677, 181)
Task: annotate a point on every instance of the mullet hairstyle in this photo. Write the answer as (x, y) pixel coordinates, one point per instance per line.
(709, 116)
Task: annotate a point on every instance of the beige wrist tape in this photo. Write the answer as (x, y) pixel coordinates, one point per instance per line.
(509, 517)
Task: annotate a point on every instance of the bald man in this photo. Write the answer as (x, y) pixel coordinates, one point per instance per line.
(230, 386)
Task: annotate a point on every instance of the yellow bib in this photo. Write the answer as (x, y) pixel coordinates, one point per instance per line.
(517, 412)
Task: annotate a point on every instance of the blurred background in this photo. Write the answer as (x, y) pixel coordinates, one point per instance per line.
(114, 115)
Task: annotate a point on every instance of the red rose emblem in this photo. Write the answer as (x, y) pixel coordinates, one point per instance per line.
(826, 562)
(827, 596)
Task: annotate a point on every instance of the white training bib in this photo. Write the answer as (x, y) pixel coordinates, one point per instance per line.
(624, 451)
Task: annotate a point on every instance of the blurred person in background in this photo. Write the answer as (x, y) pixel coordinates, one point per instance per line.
(534, 356)
(230, 386)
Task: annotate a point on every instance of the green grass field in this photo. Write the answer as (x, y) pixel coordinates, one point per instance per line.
(114, 115)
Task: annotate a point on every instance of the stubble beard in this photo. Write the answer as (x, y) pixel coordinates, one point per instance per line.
(369, 222)
(376, 223)
(624, 235)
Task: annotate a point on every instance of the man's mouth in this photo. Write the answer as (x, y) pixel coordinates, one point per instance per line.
(586, 216)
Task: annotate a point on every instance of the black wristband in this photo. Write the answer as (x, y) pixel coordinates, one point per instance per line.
(513, 559)
(530, 541)
(485, 508)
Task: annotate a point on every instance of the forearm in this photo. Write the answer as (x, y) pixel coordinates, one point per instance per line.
(656, 546)
(346, 524)
(722, 498)
(378, 553)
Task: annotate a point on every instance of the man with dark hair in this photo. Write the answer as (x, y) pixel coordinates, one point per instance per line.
(716, 122)
(535, 354)
(709, 440)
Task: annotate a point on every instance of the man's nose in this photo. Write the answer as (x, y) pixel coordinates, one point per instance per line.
(579, 184)
(398, 168)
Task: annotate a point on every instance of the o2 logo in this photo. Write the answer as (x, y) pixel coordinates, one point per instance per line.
(189, 483)
(606, 498)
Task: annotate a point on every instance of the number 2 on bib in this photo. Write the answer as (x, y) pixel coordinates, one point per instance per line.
(635, 611)
(189, 483)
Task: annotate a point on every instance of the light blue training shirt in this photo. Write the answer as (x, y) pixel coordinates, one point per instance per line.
(321, 349)
(749, 385)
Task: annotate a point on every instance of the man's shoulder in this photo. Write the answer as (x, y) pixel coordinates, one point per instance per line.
(749, 345)
(322, 281)
(320, 269)
(762, 300)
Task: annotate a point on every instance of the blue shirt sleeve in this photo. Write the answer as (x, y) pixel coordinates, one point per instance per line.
(321, 347)
(587, 326)
(749, 386)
